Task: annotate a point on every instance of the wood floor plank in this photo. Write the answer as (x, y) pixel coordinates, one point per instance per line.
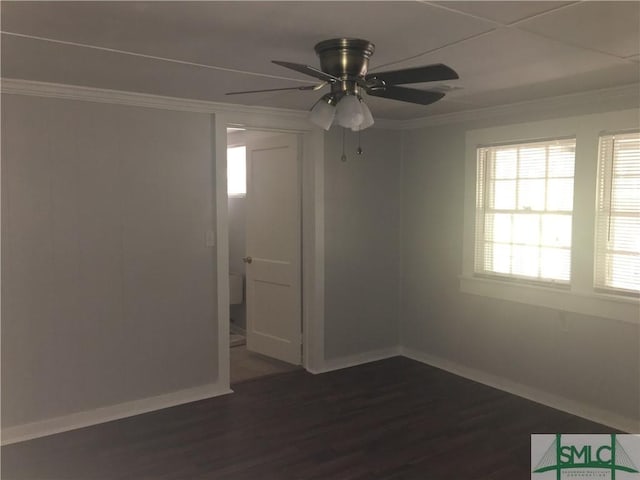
(393, 419)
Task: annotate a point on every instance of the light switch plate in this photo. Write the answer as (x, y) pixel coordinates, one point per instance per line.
(210, 240)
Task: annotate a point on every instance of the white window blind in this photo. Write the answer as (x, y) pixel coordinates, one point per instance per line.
(236, 172)
(524, 208)
(617, 252)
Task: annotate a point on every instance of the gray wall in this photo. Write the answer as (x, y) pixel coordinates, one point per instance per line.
(362, 220)
(237, 246)
(237, 219)
(108, 293)
(595, 362)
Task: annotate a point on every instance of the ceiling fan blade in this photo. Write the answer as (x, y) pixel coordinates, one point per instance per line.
(411, 95)
(428, 73)
(307, 70)
(304, 87)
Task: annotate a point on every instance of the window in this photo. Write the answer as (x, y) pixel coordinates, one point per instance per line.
(617, 251)
(236, 172)
(555, 224)
(524, 209)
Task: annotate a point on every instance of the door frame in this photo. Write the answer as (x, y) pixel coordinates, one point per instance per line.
(312, 217)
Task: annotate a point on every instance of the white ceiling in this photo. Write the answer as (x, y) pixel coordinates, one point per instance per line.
(504, 52)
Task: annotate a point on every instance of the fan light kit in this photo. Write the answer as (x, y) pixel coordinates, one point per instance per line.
(344, 63)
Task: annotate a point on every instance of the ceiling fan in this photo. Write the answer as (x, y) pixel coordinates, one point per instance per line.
(343, 66)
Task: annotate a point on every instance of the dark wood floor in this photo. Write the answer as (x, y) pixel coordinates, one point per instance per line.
(393, 419)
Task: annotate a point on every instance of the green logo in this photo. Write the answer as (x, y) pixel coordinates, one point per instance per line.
(605, 454)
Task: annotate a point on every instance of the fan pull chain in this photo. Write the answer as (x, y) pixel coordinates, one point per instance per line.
(359, 150)
(344, 155)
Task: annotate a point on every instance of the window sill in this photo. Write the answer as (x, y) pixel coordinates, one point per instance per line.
(603, 305)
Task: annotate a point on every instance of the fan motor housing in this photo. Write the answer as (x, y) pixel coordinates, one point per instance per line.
(345, 58)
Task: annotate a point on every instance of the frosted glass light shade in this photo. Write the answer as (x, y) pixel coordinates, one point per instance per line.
(322, 114)
(349, 112)
(367, 118)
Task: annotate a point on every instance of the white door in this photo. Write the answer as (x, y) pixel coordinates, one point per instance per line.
(273, 272)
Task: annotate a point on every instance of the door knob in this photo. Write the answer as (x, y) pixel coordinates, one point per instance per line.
(247, 259)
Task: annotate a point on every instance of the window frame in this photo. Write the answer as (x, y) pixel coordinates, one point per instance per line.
(483, 193)
(605, 189)
(579, 296)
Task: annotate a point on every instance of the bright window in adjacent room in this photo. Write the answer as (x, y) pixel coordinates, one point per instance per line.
(524, 208)
(236, 172)
(617, 252)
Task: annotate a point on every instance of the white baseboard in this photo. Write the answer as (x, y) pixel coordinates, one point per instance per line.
(74, 421)
(357, 359)
(28, 431)
(595, 414)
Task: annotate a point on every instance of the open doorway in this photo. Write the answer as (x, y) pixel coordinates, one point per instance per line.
(265, 268)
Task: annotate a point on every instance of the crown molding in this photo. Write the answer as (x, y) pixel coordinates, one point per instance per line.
(13, 86)
(630, 94)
